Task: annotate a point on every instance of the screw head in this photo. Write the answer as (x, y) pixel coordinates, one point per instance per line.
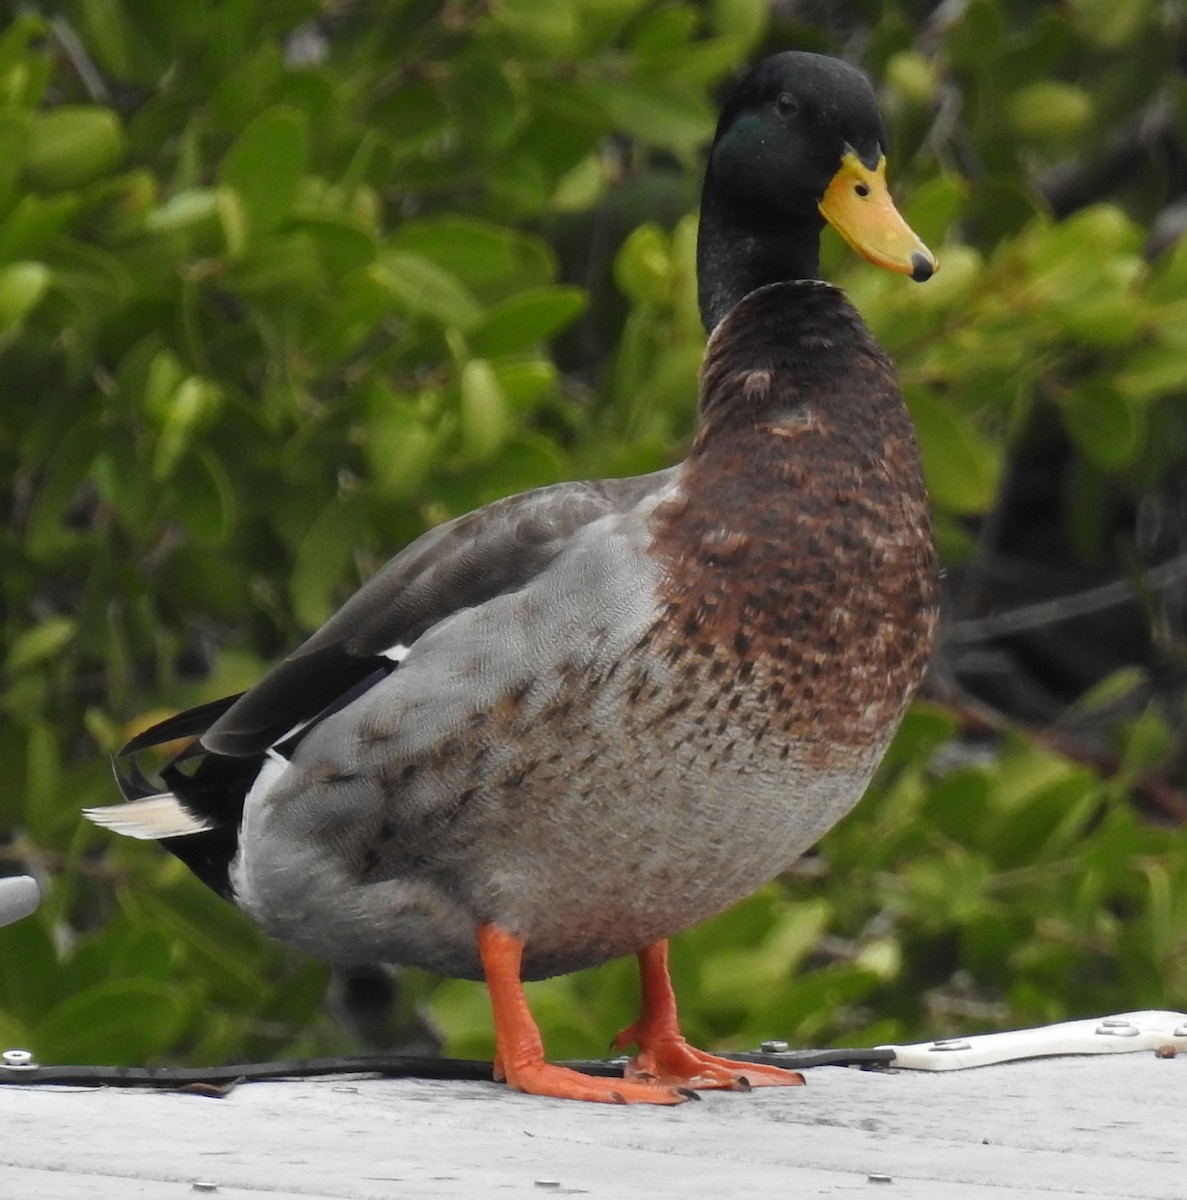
(18, 1060)
(1117, 1028)
(773, 1046)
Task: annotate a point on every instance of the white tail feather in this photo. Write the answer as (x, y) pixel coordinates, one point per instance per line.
(154, 817)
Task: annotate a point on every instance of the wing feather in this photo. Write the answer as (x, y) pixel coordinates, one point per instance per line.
(496, 549)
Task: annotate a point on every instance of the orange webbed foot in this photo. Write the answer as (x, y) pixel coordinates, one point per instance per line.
(666, 1059)
(672, 1062)
(666, 1069)
(539, 1078)
(520, 1053)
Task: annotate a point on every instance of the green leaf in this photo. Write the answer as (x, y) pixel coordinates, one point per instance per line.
(110, 33)
(412, 117)
(913, 76)
(265, 164)
(29, 972)
(534, 28)
(602, 21)
(64, 474)
(1150, 373)
(1048, 110)
(485, 421)
(44, 795)
(192, 207)
(340, 244)
(487, 129)
(22, 287)
(1104, 425)
(663, 27)
(205, 498)
(317, 584)
(523, 321)
(35, 223)
(936, 206)
(190, 408)
(422, 287)
(71, 145)
(525, 381)
(524, 461)
(39, 643)
(671, 119)
(399, 449)
(124, 1022)
(743, 21)
(14, 137)
(1114, 689)
(21, 38)
(210, 936)
(1148, 743)
(643, 268)
(960, 466)
(281, 267)
(1112, 23)
(487, 258)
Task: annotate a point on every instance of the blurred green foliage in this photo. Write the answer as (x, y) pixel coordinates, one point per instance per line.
(282, 285)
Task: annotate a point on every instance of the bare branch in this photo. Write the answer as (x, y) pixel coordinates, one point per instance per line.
(1064, 608)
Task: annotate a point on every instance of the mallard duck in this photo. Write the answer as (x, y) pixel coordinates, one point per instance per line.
(572, 723)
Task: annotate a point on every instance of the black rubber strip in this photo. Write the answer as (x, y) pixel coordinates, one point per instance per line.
(387, 1066)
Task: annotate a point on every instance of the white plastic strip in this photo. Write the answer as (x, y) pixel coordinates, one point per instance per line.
(1125, 1032)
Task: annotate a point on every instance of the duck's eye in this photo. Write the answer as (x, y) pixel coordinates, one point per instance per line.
(862, 190)
(786, 104)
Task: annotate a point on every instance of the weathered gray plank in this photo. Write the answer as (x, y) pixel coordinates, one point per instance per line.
(1085, 1127)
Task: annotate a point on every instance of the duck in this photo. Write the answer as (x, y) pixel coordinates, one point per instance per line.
(570, 724)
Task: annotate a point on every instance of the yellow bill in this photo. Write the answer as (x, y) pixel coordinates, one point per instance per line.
(858, 206)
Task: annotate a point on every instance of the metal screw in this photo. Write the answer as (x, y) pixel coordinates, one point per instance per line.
(773, 1046)
(548, 1183)
(1114, 1028)
(18, 1060)
(879, 1179)
(951, 1044)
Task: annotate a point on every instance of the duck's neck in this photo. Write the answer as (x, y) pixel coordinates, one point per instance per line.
(789, 358)
(739, 249)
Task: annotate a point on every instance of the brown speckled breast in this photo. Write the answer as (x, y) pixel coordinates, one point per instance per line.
(800, 588)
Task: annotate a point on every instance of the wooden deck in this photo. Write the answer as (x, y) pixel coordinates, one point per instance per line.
(1088, 1127)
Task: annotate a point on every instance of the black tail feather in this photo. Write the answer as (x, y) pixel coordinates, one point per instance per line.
(212, 784)
(213, 789)
(189, 724)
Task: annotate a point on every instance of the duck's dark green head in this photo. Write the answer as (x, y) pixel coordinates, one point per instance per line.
(800, 141)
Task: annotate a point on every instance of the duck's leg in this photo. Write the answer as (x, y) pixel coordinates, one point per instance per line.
(519, 1057)
(664, 1056)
